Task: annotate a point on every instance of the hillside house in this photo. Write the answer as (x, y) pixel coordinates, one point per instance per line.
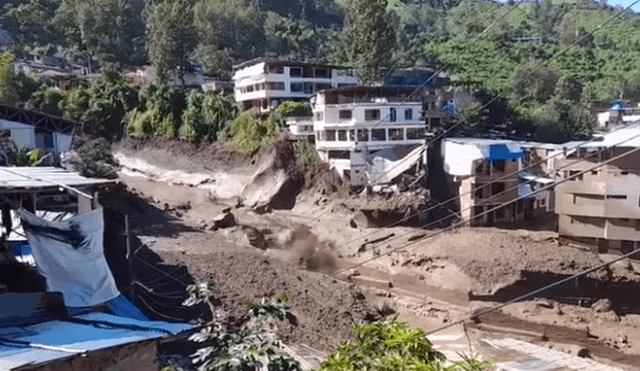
(355, 125)
(262, 84)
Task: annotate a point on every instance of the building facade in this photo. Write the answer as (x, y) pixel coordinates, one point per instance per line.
(485, 174)
(601, 204)
(354, 125)
(261, 84)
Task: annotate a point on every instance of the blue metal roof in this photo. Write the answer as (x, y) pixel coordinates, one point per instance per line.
(87, 332)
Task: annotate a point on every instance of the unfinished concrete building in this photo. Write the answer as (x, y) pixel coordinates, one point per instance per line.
(483, 173)
(602, 205)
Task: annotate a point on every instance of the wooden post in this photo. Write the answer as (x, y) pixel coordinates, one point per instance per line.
(129, 256)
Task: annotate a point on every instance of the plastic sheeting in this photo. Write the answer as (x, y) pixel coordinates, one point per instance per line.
(70, 255)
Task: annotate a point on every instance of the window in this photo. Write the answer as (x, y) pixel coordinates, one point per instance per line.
(498, 165)
(339, 155)
(477, 210)
(308, 88)
(259, 87)
(342, 135)
(276, 69)
(396, 134)
(435, 121)
(378, 134)
(408, 114)
(496, 188)
(249, 88)
(363, 135)
(44, 139)
(296, 86)
(331, 135)
(295, 71)
(352, 135)
(479, 191)
(322, 72)
(323, 87)
(371, 114)
(587, 199)
(616, 197)
(393, 115)
(319, 116)
(345, 114)
(573, 174)
(415, 133)
(275, 86)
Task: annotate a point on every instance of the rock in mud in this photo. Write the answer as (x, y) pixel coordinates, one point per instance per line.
(602, 305)
(224, 220)
(277, 181)
(255, 237)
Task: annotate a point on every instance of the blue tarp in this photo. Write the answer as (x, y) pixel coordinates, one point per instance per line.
(504, 151)
(87, 332)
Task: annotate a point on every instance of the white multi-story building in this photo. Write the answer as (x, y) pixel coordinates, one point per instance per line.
(364, 131)
(261, 84)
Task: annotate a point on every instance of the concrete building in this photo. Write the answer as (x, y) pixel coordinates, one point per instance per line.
(355, 125)
(261, 84)
(485, 173)
(602, 206)
(620, 113)
(33, 129)
(300, 126)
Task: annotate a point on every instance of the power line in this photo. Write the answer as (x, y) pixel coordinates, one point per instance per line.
(476, 188)
(532, 293)
(543, 64)
(455, 225)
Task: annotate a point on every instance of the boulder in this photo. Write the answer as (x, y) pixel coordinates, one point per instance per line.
(224, 220)
(602, 305)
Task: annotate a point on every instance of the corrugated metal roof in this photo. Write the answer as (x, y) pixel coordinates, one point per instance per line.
(50, 177)
(86, 332)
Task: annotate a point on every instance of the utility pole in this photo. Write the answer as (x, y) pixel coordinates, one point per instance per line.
(129, 257)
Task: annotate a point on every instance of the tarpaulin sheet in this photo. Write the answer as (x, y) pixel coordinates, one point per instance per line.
(70, 255)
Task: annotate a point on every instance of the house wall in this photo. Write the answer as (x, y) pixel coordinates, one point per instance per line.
(25, 135)
(603, 203)
(335, 135)
(262, 84)
(133, 357)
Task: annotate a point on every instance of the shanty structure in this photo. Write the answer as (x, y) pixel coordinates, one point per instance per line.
(38, 333)
(82, 321)
(34, 129)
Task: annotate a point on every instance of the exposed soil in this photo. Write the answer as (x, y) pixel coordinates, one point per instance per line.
(325, 308)
(324, 232)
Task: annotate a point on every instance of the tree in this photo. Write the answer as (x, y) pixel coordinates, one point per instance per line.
(229, 30)
(102, 106)
(107, 30)
(48, 100)
(29, 22)
(8, 91)
(206, 116)
(171, 38)
(369, 39)
(249, 135)
(393, 345)
(291, 108)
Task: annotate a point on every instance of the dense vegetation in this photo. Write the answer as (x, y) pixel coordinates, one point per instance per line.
(503, 67)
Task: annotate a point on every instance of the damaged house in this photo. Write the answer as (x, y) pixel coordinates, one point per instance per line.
(370, 135)
(486, 173)
(67, 314)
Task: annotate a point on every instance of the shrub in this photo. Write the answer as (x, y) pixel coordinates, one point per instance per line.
(291, 108)
(93, 158)
(393, 345)
(249, 135)
(306, 154)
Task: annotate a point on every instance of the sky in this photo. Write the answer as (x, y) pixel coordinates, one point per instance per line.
(625, 3)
